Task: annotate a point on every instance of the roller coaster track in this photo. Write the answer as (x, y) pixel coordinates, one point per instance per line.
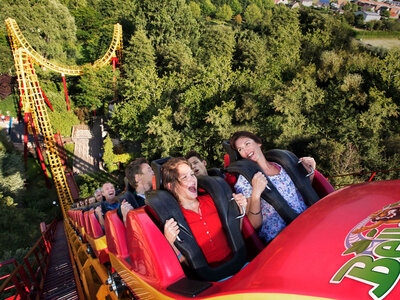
(17, 40)
(32, 97)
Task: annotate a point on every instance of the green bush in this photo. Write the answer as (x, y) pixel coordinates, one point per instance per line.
(9, 104)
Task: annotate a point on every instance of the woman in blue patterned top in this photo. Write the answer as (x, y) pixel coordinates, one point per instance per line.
(262, 215)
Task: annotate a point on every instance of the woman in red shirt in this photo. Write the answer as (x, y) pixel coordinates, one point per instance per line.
(198, 210)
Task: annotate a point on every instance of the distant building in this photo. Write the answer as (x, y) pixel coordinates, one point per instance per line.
(281, 1)
(394, 13)
(368, 16)
(342, 3)
(294, 5)
(376, 6)
(323, 3)
(307, 3)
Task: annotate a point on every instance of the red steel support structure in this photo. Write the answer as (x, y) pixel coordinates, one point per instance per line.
(65, 90)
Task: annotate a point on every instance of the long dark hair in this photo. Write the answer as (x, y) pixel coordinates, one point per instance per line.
(239, 134)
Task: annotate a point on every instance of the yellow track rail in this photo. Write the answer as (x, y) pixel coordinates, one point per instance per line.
(18, 40)
(32, 99)
(34, 103)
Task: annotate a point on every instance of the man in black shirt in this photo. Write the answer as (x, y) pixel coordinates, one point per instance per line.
(140, 180)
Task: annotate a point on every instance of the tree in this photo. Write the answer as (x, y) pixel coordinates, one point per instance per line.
(176, 56)
(218, 42)
(385, 13)
(109, 155)
(224, 13)
(47, 25)
(235, 6)
(166, 19)
(12, 177)
(238, 19)
(251, 50)
(264, 4)
(195, 9)
(359, 22)
(283, 36)
(96, 87)
(140, 53)
(253, 15)
(6, 56)
(162, 135)
(207, 8)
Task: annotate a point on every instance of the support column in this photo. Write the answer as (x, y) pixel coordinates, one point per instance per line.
(65, 90)
(39, 151)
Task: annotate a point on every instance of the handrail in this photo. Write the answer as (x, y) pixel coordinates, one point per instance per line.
(18, 40)
(360, 173)
(28, 285)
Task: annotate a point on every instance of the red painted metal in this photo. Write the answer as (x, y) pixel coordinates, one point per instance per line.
(321, 185)
(95, 227)
(302, 260)
(114, 63)
(26, 140)
(306, 255)
(73, 187)
(151, 255)
(360, 174)
(65, 90)
(36, 262)
(372, 177)
(39, 151)
(116, 235)
(47, 100)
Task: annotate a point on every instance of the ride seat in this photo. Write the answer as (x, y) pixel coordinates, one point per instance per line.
(166, 207)
(151, 256)
(94, 224)
(156, 166)
(86, 223)
(96, 237)
(115, 235)
(81, 227)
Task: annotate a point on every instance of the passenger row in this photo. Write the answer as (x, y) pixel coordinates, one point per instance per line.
(190, 222)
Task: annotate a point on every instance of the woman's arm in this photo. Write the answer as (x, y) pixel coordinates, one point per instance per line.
(259, 183)
(171, 231)
(308, 163)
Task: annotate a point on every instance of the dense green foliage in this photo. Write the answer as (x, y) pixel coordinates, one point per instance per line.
(24, 201)
(196, 71)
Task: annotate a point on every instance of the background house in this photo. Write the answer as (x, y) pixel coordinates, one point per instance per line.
(368, 15)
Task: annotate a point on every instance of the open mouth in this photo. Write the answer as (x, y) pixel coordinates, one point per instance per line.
(192, 189)
(250, 155)
(196, 171)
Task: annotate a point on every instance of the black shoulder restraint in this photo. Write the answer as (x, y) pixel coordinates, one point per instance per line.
(295, 170)
(166, 207)
(129, 196)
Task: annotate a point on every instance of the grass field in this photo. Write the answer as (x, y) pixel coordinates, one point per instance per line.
(388, 43)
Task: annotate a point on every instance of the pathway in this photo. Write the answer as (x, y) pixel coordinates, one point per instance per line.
(88, 143)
